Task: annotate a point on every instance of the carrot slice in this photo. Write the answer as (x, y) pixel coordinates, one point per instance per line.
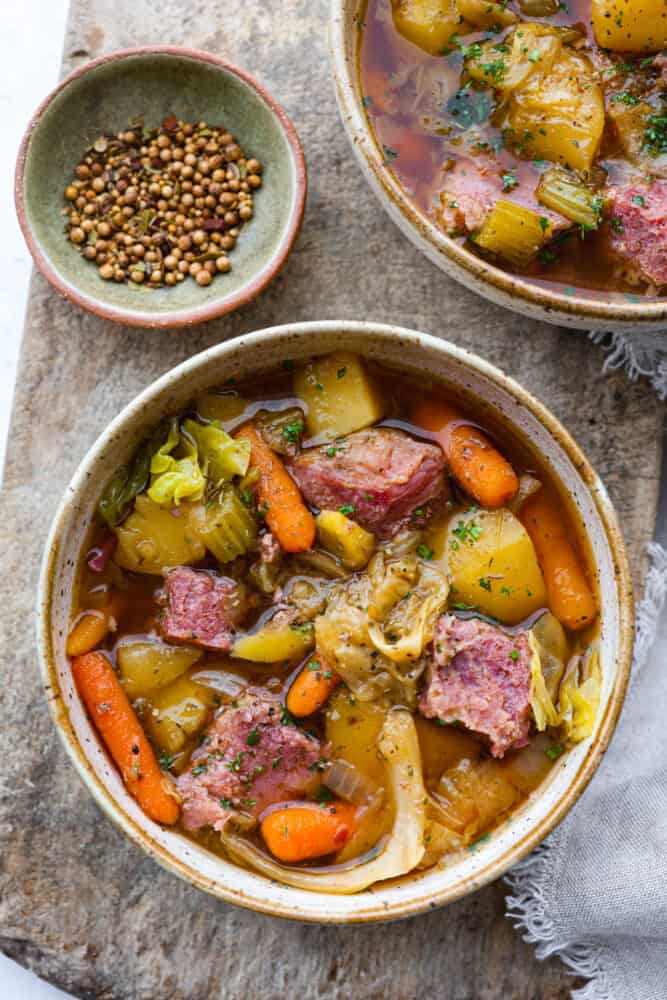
(119, 727)
(475, 463)
(570, 596)
(307, 830)
(311, 687)
(93, 627)
(286, 514)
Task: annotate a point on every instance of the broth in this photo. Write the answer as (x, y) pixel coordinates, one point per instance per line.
(212, 710)
(432, 120)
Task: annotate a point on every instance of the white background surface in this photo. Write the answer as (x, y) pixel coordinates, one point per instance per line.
(31, 38)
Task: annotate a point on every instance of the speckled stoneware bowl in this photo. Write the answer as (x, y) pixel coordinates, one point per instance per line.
(254, 354)
(153, 83)
(616, 312)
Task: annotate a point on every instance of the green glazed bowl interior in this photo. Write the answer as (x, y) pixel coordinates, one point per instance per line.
(108, 95)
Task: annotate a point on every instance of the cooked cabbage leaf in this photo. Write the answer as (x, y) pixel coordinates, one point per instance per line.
(130, 479)
(404, 847)
(176, 479)
(220, 456)
(580, 692)
(544, 710)
(409, 625)
(225, 525)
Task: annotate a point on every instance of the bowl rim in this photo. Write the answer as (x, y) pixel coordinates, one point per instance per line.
(191, 315)
(486, 279)
(376, 910)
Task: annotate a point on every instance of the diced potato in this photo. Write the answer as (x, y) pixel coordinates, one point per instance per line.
(226, 526)
(430, 24)
(485, 14)
(339, 395)
(353, 728)
(146, 666)
(514, 232)
(473, 794)
(152, 538)
(177, 712)
(534, 50)
(270, 644)
(630, 25)
(559, 115)
(351, 543)
(493, 566)
(226, 407)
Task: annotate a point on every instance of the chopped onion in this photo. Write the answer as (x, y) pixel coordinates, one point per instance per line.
(404, 847)
(322, 563)
(349, 783)
(220, 679)
(528, 486)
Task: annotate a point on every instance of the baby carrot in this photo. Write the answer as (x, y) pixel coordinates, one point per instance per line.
(92, 627)
(119, 727)
(307, 830)
(278, 496)
(311, 687)
(475, 463)
(570, 596)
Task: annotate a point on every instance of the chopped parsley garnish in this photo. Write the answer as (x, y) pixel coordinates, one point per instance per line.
(246, 496)
(638, 199)
(655, 136)
(314, 665)
(292, 432)
(424, 551)
(341, 372)
(509, 181)
(235, 763)
(331, 452)
(480, 840)
(324, 795)
(617, 225)
(462, 606)
(625, 98)
(252, 739)
(468, 532)
(226, 803)
(390, 154)
(286, 719)
(166, 760)
(514, 655)
(347, 509)
(304, 627)
(555, 751)
(544, 223)
(199, 769)
(485, 583)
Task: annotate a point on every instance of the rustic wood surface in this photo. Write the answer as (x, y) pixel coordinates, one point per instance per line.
(79, 904)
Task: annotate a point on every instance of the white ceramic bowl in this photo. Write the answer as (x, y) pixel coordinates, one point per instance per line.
(255, 353)
(626, 313)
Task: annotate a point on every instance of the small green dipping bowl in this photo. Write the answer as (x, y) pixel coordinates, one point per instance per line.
(152, 83)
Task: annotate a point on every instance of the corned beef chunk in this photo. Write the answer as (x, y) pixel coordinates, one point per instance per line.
(380, 477)
(638, 229)
(201, 608)
(480, 676)
(251, 756)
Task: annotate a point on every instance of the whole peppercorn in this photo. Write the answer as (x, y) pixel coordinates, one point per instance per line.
(203, 277)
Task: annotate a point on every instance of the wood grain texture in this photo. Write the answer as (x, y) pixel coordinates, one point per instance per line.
(78, 904)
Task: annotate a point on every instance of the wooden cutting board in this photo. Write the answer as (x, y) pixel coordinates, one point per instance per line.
(79, 904)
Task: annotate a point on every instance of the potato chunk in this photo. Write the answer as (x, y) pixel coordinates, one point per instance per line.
(152, 538)
(630, 25)
(177, 712)
(493, 566)
(559, 115)
(351, 543)
(514, 232)
(272, 643)
(147, 665)
(339, 395)
(430, 24)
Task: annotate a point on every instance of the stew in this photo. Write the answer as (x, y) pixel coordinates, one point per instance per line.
(335, 623)
(532, 131)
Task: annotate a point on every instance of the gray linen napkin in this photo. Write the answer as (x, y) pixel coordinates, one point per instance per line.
(637, 354)
(595, 893)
